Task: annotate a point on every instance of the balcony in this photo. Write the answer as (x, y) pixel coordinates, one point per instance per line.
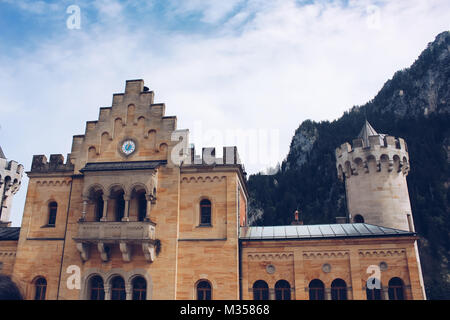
(125, 234)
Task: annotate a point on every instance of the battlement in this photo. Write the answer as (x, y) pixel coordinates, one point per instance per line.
(56, 164)
(11, 167)
(208, 157)
(10, 180)
(11, 173)
(376, 153)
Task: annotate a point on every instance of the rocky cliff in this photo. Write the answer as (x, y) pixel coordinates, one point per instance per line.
(414, 105)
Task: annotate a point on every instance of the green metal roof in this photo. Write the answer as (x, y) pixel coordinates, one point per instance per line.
(301, 232)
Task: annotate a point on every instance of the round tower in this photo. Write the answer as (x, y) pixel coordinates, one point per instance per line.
(374, 171)
(10, 179)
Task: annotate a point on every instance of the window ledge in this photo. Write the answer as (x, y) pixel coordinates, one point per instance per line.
(205, 225)
(48, 226)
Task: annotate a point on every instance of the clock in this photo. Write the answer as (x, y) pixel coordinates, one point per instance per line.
(128, 147)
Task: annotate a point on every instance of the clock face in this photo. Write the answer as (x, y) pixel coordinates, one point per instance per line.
(128, 147)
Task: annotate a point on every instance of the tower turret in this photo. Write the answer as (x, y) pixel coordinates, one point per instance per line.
(374, 170)
(10, 179)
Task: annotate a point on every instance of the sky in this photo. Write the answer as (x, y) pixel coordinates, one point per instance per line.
(235, 72)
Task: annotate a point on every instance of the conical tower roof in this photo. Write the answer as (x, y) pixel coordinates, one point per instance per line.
(2, 155)
(367, 131)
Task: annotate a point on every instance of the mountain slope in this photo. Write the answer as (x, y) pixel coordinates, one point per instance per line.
(414, 105)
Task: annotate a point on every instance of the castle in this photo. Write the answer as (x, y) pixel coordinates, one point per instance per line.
(135, 213)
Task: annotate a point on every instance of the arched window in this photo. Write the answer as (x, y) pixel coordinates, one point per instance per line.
(282, 290)
(396, 289)
(358, 219)
(260, 290)
(204, 291)
(98, 206)
(97, 291)
(118, 289)
(373, 294)
(316, 290)
(205, 212)
(338, 290)
(119, 204)
(139, 288)
(52, 210)
(142, 207)
(40, 288)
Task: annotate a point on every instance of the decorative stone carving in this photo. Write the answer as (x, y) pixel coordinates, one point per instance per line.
(326, 267)
(149, 251)
(325, 254)
(125, 248)
(382, 253)
(383, 266)
(83, 248)
(123, 234)
(270, 268)
(103, 251)
(270, 256)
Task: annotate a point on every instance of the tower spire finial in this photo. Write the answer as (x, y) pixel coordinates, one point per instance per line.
(2, 155)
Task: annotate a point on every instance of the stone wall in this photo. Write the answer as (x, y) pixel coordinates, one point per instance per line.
(375, 180)
(299, 262)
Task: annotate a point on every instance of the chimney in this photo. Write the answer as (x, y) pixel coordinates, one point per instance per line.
(297, 220)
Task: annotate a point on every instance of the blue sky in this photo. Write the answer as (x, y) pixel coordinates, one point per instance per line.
(220, 66)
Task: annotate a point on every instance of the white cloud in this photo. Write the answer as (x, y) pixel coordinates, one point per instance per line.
(34, 7)
(272, 65)
(108, 9)
(211, 11)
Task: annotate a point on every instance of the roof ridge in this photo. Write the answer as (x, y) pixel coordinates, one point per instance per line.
(2, 155)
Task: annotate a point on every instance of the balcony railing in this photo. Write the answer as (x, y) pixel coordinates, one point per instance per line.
(103, 235)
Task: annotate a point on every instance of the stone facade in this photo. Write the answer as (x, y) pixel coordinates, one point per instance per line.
(10, 180)
(7, 256)
(375, 170)
(301, 262)
(133, 203)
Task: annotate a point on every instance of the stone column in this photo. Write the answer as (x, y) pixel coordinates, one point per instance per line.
(271, 294)
(107, 292)
(129, 291)
(327, 293)
(83, 212)
(126, 213)
(105, 208)
(385, 293)
(149, 198)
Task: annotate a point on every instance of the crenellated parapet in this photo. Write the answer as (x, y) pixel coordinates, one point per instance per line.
(374, 169)
(55, 165)
(10, 175)
(208, 156)
(380, 153)
(10, 180)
